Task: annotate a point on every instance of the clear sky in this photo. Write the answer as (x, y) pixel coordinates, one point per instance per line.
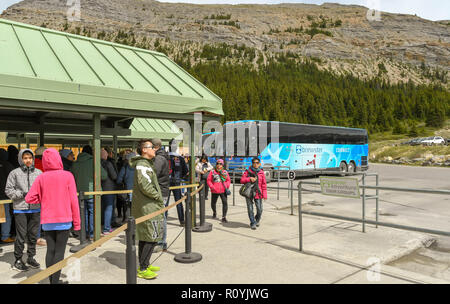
(428, 9)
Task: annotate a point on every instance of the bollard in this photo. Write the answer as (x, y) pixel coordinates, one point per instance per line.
(300, 223)
(131, 251)
(204, 227)
(188, 256)
(83, 241)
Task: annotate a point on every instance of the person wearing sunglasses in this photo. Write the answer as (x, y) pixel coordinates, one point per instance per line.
(147, 198)
(255, 175)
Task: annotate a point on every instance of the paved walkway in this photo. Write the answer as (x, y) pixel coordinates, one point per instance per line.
(334, 252)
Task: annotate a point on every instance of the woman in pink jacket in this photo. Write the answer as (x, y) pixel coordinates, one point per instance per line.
(252, 175)
(219, 181)
(56, 191)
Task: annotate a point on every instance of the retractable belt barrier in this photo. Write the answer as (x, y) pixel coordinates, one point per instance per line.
(58, 266)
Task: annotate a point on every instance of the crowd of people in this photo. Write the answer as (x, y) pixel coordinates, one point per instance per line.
(43, 187)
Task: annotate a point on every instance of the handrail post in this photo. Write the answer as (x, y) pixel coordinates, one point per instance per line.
(300, 215)
(234, 192)
(83, 241)
(188, 256)
(364, 204)
(278, 190)
(376, 202)
(131, 267)
(204, 227)
(291, 183)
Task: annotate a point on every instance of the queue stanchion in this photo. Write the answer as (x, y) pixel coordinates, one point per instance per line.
(188, 256)
(131, 251)
(204, 227)
(83, 240)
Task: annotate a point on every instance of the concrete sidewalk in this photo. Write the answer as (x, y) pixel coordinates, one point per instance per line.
(334, 252)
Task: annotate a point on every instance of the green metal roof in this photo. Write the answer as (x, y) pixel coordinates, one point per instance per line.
(38, 64)
(140, 128)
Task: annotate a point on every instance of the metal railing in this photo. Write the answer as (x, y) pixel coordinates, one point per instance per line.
(363, 220)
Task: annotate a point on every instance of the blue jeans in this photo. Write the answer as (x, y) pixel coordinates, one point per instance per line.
(163, 242)
(108, 206)
(89, 217)
(259, 209)
(6, 227)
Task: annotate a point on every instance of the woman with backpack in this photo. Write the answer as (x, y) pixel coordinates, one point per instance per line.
(255, 175)
(219, 181)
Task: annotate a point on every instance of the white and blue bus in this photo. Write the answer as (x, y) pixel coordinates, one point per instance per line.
(302, 148)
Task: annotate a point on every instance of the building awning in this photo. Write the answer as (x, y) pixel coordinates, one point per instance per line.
(65, 72)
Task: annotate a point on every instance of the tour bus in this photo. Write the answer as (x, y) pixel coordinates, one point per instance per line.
(305, 149)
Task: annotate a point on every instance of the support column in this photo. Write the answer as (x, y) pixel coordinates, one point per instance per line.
(19, 141)
(97, 178)
(192, 171)
(115, 145)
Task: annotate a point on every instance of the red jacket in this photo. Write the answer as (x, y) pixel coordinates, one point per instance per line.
(214, 184)
(262, 184)
(38, 164)
(56, 191)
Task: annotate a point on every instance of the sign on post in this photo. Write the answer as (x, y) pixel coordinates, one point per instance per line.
(291, 175)
(340, 186)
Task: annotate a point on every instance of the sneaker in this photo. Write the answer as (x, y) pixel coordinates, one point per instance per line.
(182, 224)
(253, 226)
(151, 267)
(159, 248)
(32, 263)
(257, 224)
(19, 265)
(224, 220)
(41, 242)
(147, 274)
(8, 240)
(154, 268)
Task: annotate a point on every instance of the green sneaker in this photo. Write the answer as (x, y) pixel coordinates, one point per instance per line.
(147, 274)
(154, 268)
(151, 267)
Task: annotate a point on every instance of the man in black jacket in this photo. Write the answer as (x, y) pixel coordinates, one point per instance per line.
(178, 171)
(5, 169)
(161, 166)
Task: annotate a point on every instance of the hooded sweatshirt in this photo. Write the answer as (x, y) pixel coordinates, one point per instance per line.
(56, 191)
(19, 183)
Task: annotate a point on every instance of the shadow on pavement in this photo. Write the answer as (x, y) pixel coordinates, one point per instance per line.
(115, 258)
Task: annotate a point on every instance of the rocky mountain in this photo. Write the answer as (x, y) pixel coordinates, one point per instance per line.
(339, 38)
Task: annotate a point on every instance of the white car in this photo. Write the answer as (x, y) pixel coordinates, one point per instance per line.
(434, 140)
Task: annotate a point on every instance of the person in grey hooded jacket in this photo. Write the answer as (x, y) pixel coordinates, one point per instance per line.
(27, 216)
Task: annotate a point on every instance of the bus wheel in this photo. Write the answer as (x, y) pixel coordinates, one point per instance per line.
(343, 167)
(268, 175)
(351, 167)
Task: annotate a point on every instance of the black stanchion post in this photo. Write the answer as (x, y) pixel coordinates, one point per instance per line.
(204, 227)
(188, 256)
(131, 251)
(83, 241)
